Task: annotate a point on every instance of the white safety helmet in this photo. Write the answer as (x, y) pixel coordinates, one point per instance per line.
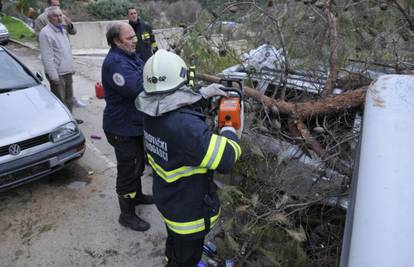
(164, 72)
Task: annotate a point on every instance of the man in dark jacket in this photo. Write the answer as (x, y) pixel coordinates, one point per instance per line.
(146, 44)
(122, 123)
(183, 153)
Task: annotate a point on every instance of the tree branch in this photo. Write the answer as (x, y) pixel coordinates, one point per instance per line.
(310, 141)
(333, 56)
(331, 104)
(404, 13)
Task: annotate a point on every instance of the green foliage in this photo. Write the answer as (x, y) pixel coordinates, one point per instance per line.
(272, 240)
(208, 59)
(210, 3)
(109, 9)
(17, 29)
(114, 10)
(229, 194)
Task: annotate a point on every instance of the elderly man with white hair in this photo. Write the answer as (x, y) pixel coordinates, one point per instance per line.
(56, 55)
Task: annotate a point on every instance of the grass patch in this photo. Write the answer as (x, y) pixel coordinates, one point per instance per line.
(17, 29)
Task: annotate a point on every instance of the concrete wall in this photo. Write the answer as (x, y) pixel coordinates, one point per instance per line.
(91, 36)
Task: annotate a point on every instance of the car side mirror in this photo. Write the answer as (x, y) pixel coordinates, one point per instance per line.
(39, 76)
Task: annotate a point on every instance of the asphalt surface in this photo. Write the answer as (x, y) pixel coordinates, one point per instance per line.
(70, 218)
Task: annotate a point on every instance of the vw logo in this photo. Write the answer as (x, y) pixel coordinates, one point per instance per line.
(14, 149)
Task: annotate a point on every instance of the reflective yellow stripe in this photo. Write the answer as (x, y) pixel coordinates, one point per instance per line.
(191, 75)
(214, 152)
(130, 195)
(236, 148)
(145, 35)
(154, 45)
(236, 152)
(210, 161)
(220, 153)
(174, 175)
(185, 228)
(210, 150)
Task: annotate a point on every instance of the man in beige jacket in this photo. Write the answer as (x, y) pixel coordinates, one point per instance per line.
(41, 21)
(56, 56)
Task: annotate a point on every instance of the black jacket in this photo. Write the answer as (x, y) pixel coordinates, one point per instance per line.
(146, 44)
(183, 152)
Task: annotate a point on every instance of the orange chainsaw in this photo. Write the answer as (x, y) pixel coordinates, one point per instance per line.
(230, 106)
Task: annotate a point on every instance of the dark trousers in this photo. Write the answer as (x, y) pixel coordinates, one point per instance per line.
(129, 152)
(64, 91)
(182, 251)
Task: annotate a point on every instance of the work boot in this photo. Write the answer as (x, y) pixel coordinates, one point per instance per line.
(144, 199)
(140, 198)
(128, 218)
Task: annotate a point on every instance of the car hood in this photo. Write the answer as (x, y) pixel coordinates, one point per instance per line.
(29, 113)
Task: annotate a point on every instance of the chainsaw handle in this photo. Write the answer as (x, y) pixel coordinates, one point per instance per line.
(230, 82)
(232, 89)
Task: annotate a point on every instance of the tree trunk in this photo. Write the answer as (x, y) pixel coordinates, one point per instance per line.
(331, 104)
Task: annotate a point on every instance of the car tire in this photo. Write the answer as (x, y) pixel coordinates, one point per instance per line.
(5, 42)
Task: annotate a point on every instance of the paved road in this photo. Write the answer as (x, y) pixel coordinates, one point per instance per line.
(70, 218)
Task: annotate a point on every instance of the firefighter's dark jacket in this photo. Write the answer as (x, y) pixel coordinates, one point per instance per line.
(122, 82)
(183, 152)
(146, 44)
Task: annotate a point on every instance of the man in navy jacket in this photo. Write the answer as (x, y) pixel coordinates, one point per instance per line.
(122, 123)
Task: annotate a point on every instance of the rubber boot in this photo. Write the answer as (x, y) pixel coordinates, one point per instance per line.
(128, 218)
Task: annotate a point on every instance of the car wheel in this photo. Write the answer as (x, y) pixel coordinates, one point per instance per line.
(5, 42)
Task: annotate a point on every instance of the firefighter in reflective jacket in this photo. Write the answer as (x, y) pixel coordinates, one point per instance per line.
(183, 152)
(146, 44)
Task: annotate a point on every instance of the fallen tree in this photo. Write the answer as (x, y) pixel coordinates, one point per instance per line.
(285, 203)
(331, 104)
(308, 109)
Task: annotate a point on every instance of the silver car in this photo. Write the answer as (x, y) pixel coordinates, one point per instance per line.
(38, 135)
(4, 35)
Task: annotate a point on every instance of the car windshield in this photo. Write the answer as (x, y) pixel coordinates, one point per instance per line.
(12, 75)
